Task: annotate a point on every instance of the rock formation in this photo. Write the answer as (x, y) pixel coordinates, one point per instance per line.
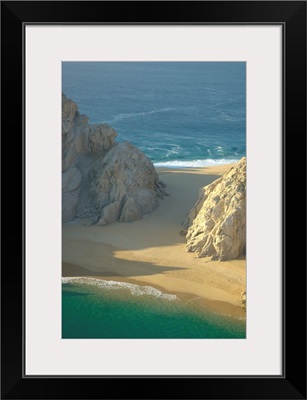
(102, 180)
(216, 225)
(243, 300)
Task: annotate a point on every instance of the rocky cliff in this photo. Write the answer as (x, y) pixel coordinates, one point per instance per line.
(102, 180)
(216, 225)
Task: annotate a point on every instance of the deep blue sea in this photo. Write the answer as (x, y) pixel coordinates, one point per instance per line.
(180, 114)
(177, 113)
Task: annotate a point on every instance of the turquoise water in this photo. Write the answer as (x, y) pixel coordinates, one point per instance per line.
(100, 309)
(178, 113)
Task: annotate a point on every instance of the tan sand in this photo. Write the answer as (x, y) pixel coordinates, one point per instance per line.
(152, 252)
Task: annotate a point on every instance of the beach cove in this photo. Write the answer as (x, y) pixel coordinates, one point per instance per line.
(126, 271)
(151, 251)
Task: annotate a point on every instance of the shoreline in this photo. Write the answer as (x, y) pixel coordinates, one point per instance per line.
(196, 163)
(215, 306)
(151, 252)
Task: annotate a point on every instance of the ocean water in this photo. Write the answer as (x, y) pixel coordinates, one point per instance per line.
(93, 308)
(180, 114)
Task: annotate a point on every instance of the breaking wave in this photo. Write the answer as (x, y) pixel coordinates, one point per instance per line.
(195, 163)
(136, 290)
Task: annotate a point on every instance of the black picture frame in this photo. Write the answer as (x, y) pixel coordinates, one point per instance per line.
(292, 16)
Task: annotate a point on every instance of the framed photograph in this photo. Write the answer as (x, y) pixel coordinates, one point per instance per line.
(163, 185)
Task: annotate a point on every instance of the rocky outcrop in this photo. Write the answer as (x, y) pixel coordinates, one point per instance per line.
(102, 180)
(243, 300)
(216, 225)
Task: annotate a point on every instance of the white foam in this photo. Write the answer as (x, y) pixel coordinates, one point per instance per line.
(195, 163)
(122, 116)
(174, 150)
(136, 290)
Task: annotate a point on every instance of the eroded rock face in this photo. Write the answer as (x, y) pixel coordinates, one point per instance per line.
(216, 225)
(102, 180)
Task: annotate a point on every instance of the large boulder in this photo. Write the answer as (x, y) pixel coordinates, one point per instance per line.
(123, 185)
(216, 225)
(102, 180)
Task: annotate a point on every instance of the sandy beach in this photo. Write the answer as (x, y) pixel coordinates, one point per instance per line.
(151, 251)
